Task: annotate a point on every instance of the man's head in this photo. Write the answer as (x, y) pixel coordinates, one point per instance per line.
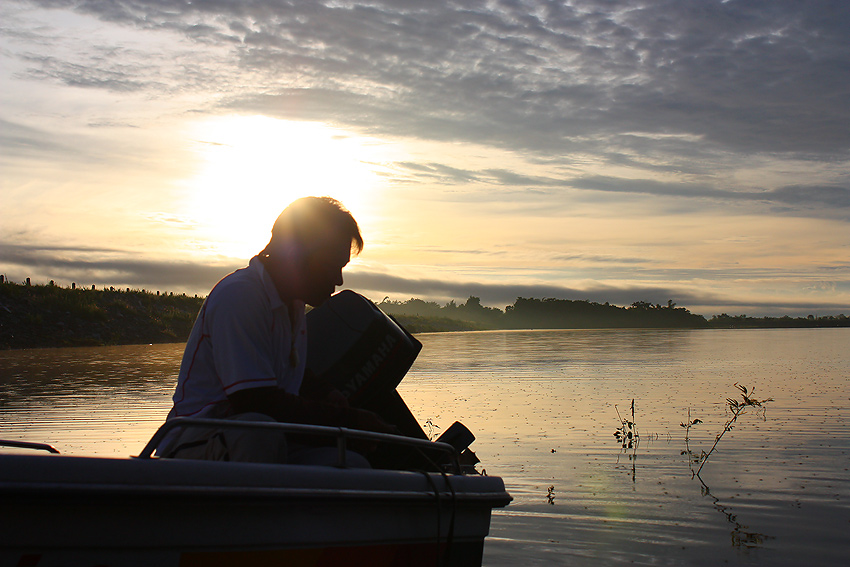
(311, 243)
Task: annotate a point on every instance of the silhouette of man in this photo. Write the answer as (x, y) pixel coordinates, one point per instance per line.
(245, 357)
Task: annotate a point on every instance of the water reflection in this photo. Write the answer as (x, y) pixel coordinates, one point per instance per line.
(741, 538)
(87, 401)
(561, 397)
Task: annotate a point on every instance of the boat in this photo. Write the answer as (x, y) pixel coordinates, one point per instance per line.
(423, 503)
(147, 511)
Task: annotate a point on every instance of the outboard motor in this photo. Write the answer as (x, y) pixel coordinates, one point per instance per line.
(365, 353)
(357, 347)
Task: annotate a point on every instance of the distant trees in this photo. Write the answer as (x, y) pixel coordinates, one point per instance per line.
(473, 311)
(724, 321)
(551, 313)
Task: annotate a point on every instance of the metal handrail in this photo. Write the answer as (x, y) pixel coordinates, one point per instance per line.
(342, 434)
(29, 445)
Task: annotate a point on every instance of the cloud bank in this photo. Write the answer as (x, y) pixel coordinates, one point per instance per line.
(197, 278)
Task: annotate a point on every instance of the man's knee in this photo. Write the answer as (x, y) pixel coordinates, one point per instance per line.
(256, 445)
(239, 444)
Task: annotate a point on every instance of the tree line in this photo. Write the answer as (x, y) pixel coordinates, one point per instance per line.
(50, 316)
(551, 313)
(33, 316)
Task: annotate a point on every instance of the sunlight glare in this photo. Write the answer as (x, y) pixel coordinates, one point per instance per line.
(254, 166)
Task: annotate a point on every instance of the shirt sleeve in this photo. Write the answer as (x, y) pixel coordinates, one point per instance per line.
(240, 331)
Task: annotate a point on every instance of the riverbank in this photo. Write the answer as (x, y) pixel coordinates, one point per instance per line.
(39, 316)
(35, 316)
(49, 316)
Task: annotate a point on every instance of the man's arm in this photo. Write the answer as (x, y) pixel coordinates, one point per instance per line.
(282, 406)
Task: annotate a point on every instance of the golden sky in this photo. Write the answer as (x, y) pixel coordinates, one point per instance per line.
(693, 151)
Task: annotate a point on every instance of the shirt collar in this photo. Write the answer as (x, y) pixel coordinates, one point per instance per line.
(275, 302)
(268, 285)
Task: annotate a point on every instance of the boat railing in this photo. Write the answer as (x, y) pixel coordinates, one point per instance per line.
(29, 445)
(342, 435)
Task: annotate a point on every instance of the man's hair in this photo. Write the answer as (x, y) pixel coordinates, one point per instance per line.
(310, 220)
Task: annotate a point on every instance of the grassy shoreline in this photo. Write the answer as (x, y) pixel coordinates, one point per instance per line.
(50, 316)
(38, 316)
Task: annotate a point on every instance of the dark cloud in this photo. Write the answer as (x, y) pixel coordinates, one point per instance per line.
(798, 197)
(116, 78)
(472, 251)
(108, 267)
(512, 178)
(500, 295)
(436, 172)
(831, 196)
(600, 259)
(504, 294)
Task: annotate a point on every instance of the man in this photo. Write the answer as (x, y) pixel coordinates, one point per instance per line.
(246, 354)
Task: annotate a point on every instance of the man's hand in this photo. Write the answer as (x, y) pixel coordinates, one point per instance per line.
(371, 421)
(337, 398)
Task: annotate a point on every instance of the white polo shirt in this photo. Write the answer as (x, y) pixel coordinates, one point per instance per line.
(243, 338)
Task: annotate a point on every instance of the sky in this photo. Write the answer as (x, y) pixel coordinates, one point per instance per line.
(688, 150)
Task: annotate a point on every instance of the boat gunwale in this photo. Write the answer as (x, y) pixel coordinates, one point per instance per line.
(24, 490)
(340, 434)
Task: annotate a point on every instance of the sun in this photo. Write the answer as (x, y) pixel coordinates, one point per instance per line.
(252, 167)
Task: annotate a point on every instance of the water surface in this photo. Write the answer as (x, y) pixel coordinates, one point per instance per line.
(544, 406)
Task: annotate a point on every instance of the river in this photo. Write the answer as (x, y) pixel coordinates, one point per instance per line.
(545, 407)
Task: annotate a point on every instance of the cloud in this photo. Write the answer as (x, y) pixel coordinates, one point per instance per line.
(111, 267)
(536, 76)
(703, 303)
(504, 294)
(601, 259)
(831, 196)
(798, 195)
(817, 198)
(96, 75)
(20, 140)
(472, 251)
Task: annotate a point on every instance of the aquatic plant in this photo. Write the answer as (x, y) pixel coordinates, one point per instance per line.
(550, 494)
(629, 438)
(627, 434)
(741, 536)
(688, 424)
(736, 408)
(431, 426)
(692, 458)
